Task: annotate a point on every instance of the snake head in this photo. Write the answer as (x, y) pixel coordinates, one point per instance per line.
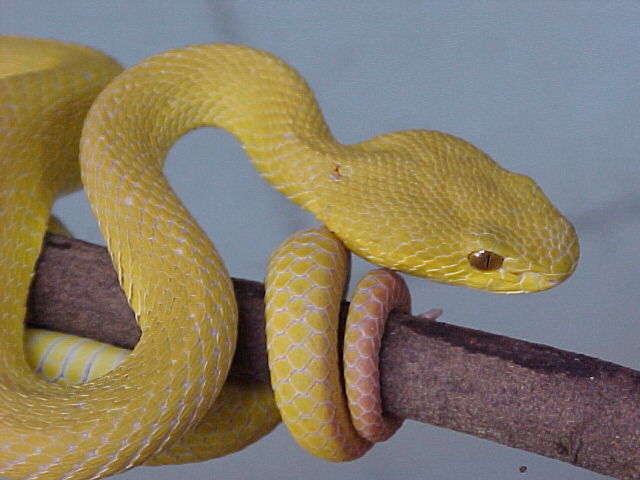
(433, 205)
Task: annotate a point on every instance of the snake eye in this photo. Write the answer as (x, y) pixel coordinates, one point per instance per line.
(485, 260)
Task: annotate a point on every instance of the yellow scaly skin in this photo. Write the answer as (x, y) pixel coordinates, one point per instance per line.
(305, 282)
(416, 201)
(228, 426)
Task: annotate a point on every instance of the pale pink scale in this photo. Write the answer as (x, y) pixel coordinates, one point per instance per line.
(378, 293)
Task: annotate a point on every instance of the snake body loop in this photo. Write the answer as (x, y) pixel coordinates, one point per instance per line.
(377, 294)
(423, 202)
(302, 297)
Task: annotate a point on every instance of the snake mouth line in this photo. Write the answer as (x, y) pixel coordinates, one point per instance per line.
(531, 282)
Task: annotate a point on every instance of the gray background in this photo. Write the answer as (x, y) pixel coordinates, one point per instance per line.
(549, 89)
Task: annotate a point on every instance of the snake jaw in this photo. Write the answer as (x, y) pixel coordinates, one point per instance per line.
(520, 275)
(509, 283)
(530, 282)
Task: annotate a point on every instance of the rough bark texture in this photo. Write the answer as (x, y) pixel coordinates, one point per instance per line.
(551, 402)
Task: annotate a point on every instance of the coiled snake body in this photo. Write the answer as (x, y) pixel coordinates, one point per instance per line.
(422, 202)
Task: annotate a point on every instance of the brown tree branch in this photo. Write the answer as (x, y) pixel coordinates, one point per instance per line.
(533, 397)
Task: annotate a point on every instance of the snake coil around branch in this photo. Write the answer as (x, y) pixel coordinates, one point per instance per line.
(555, 403)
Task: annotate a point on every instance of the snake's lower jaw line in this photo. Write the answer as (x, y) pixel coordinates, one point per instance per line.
(518, 275)
(531, 282)
(514, 283)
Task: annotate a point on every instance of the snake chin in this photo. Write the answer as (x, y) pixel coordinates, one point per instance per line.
(518, 282)
(530, 282)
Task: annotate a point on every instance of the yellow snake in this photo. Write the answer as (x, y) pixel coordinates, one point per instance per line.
(421, 202)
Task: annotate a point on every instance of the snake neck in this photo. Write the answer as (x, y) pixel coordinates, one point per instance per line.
(251, 94)
(416, 201)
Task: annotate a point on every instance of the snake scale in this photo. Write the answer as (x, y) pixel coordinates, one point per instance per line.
(421, 202)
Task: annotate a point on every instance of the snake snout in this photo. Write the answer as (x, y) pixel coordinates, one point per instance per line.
(535, 279)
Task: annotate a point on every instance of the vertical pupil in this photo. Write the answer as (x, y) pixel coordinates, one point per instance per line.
(485, 260)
